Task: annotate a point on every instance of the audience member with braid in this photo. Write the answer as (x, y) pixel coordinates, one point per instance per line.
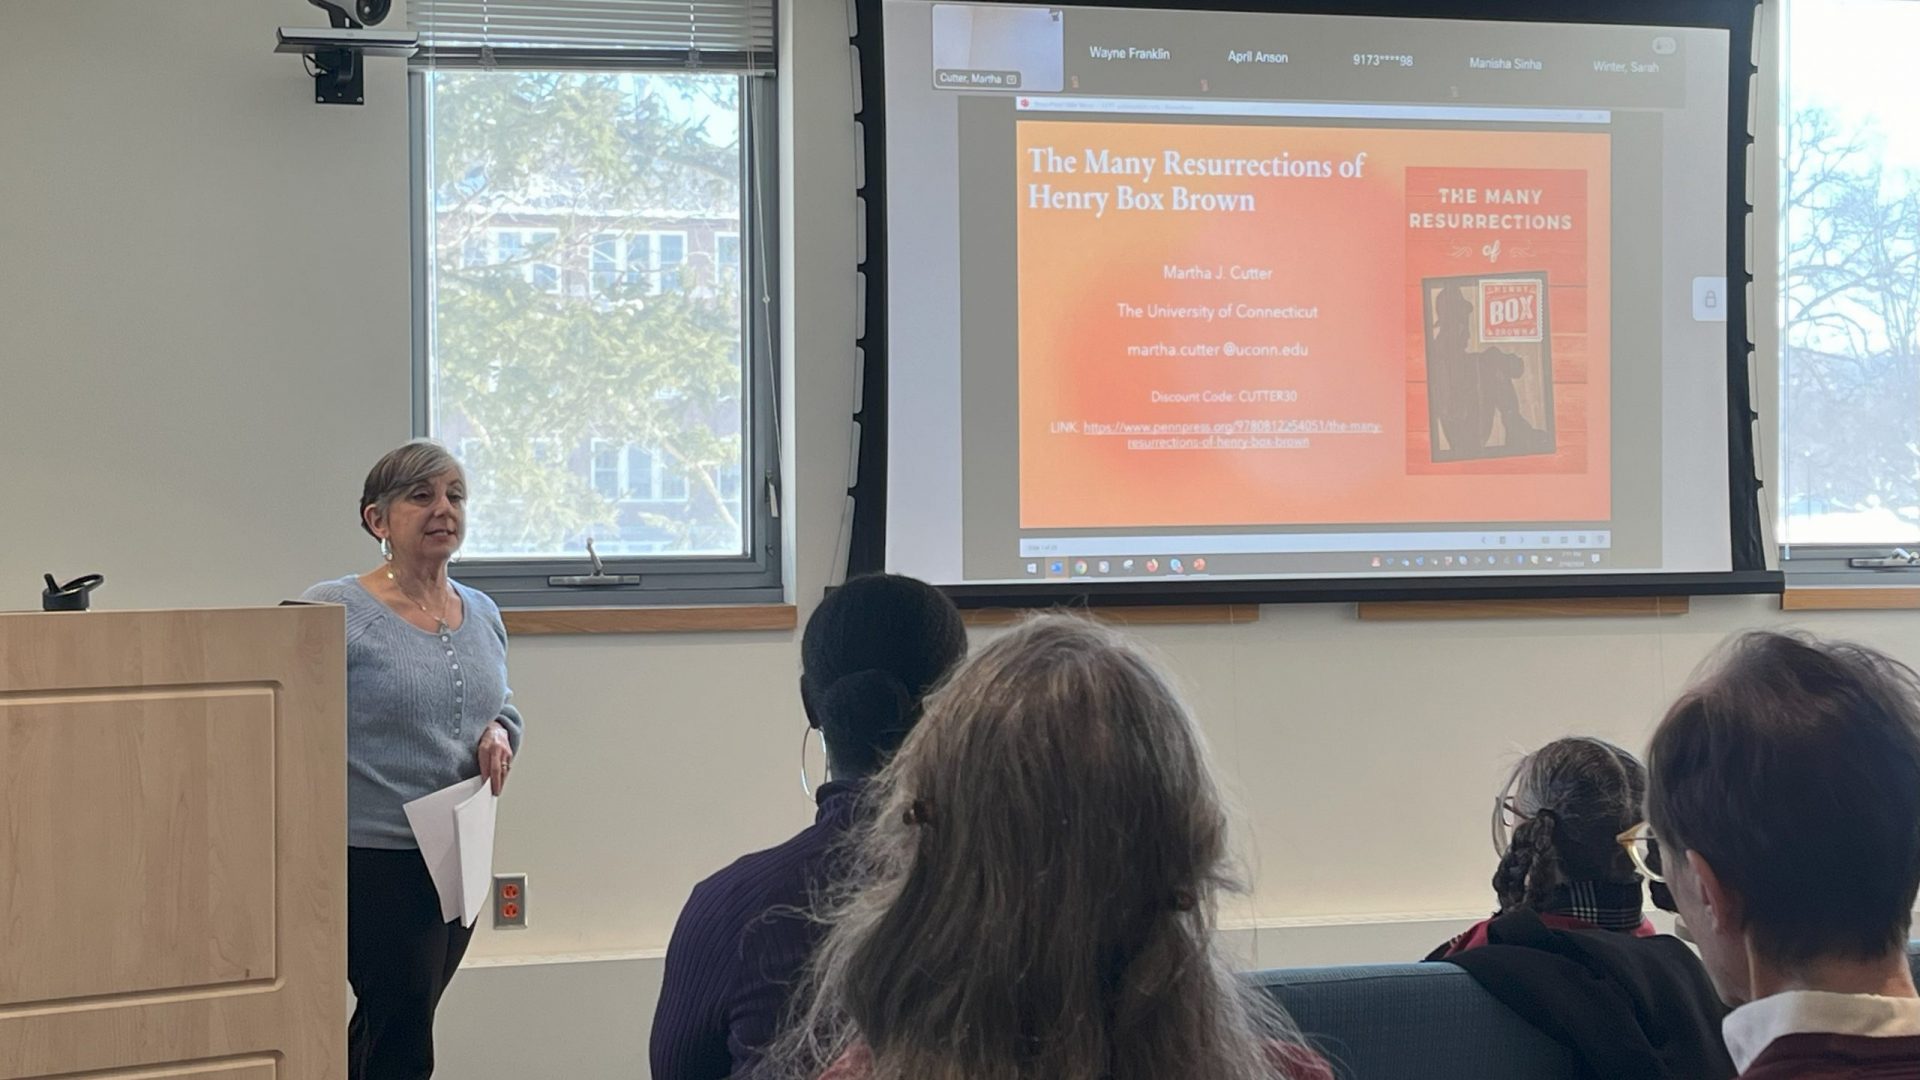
(1570, 949)
(1555, 825)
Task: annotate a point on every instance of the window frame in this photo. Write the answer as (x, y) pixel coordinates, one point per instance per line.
(595, 446)
(1817, 565)
(723, 269)
(751, 577)
(658, 476)
(1804, 565)
(656, 263)
(624, 272)
(525, 239)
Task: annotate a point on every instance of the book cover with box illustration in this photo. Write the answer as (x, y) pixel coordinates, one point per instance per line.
(1489, 366)
(1507, 315)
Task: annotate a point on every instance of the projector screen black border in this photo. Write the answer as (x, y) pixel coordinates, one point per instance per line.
(1187, 591)
(866, 542)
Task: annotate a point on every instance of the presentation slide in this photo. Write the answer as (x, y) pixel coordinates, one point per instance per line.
(1227, 295)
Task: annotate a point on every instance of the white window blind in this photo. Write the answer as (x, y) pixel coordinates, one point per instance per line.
(707, 35)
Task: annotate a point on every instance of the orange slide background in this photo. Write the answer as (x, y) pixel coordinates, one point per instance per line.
(1340, 245)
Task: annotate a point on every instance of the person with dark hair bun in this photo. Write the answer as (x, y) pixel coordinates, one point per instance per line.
(872, 651)
(870, 654)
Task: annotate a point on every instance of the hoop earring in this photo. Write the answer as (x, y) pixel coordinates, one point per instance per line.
(806, 775)
(386, 549)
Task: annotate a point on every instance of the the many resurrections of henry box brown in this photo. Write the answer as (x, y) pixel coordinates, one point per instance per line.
(1489, 365)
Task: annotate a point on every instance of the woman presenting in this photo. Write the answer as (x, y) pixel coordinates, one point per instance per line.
(427, 707)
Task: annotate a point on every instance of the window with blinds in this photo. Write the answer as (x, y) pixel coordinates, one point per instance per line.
(594, 328)
(711, 35)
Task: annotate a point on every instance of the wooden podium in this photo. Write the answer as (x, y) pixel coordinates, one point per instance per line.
(173, 845)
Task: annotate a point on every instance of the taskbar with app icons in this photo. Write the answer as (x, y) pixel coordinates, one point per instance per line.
(1064, 558)
(1161, 565)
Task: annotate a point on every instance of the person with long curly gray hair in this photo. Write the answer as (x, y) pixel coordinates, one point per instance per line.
(1033, 896)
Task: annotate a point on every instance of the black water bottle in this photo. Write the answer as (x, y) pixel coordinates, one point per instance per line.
(75, 595)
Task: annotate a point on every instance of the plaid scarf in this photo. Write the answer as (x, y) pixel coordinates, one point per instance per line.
(1610, 905)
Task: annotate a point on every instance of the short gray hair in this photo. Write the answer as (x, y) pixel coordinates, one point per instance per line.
(416, 462)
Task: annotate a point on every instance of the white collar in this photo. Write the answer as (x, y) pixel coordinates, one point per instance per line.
(1751, 1028)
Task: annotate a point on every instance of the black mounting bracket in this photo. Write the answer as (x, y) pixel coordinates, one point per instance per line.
(339, 78)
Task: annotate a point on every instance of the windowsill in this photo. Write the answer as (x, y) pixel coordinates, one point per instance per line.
(1851, 598)
(690, 619)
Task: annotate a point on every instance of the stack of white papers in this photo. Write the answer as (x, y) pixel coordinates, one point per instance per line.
(454, 827)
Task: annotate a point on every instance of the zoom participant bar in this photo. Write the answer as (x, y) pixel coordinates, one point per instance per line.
(1480, 114)
(1037, 547)
(1171, 53)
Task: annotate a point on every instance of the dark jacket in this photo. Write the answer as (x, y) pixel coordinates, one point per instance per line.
(1629, 1008)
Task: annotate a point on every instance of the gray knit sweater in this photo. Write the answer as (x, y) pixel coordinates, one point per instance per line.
(417, 704)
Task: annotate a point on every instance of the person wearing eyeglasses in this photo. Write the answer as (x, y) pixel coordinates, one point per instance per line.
(1555, 824)
(1571, 949)
(1783, 808)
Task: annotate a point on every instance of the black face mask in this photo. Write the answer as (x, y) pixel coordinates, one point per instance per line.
(1662, 897)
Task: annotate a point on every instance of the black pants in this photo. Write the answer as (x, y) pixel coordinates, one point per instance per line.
(400, 957)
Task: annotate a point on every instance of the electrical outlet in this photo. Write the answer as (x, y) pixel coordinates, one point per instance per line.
(509, 901)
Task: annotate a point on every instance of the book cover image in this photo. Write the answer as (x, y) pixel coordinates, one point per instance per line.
(1489, 366)
(1512, 263)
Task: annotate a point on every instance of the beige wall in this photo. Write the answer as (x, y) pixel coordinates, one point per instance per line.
(204, 323)
(211, 273)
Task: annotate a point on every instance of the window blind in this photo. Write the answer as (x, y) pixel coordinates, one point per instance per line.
(708, 35)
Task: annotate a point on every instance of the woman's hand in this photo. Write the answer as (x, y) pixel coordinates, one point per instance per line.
(496, 756)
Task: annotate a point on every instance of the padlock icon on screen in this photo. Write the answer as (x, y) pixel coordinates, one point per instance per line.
(1711, 300)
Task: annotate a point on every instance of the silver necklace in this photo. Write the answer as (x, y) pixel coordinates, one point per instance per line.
(445, 601)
